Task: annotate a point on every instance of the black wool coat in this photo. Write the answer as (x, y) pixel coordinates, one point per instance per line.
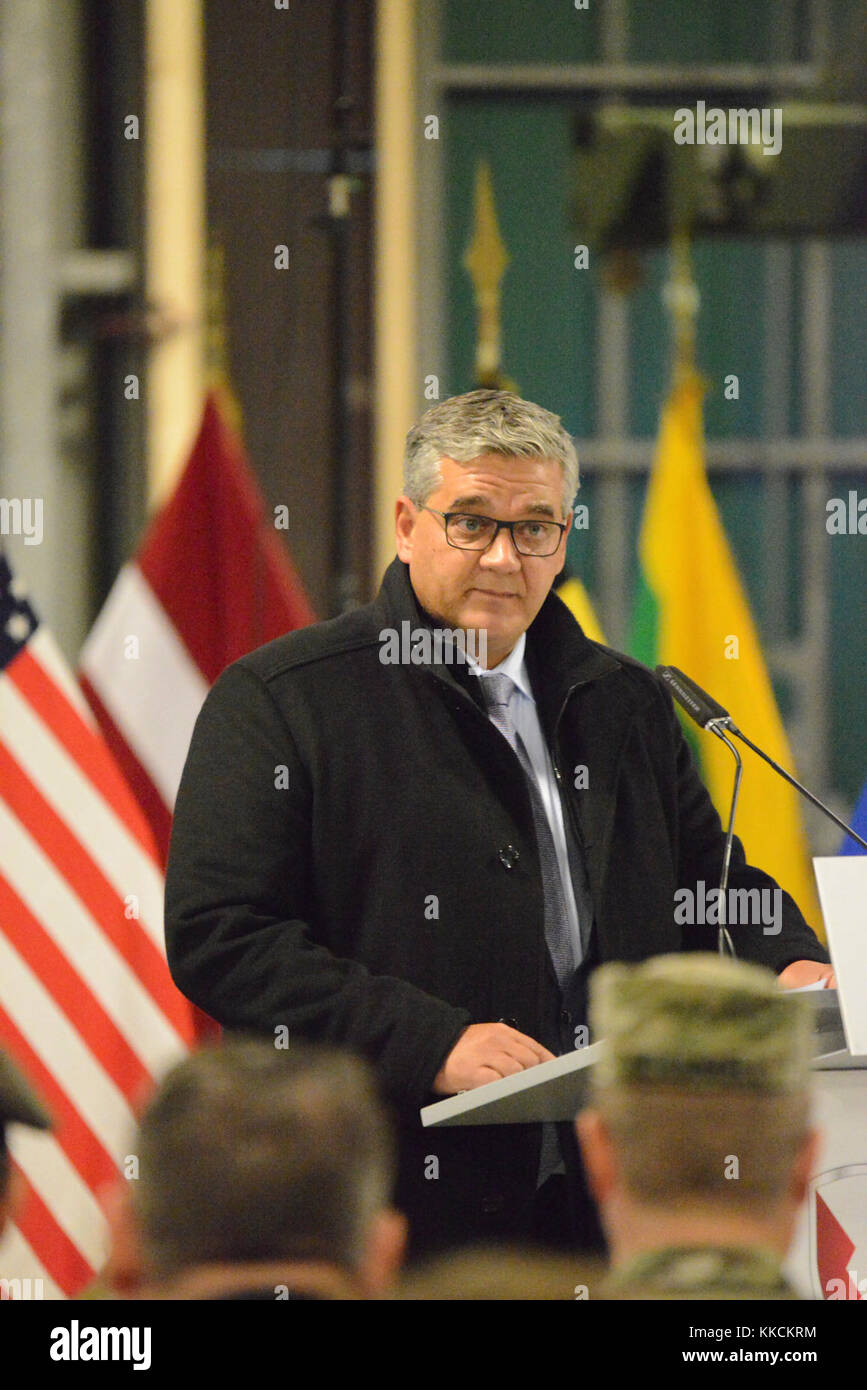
(353, 856)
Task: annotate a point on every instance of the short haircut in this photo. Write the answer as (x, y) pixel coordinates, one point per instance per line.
(725, 1149)
(485, 422)
(253, 1153)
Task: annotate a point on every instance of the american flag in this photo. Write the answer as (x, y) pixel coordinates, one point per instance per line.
(88, 1010)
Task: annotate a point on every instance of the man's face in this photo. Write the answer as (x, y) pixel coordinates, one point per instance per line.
(496, 589)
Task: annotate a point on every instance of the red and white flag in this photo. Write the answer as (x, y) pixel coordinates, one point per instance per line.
(211, 581)
(88, 1010)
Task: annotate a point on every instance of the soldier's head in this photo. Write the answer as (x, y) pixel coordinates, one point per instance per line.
(18, 1106)
(253, 1155)
(699, 1109)
(473, 459)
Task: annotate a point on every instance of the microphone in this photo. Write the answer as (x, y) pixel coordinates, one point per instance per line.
(697, 703)
(708, 714)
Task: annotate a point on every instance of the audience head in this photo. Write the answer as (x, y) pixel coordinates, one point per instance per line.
(254, 1156)
(699, 1110)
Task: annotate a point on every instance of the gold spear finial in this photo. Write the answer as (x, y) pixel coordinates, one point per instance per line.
(486, 259)
(682, 299)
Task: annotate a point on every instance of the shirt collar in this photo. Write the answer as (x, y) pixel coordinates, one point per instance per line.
(513, 666)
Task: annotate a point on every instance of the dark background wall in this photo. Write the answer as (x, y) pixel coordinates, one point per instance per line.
(285, 90)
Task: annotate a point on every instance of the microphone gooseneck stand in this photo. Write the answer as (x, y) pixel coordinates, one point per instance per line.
(710, 715)
(724, 941)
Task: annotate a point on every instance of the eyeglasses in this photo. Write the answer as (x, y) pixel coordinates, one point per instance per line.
(467, 531)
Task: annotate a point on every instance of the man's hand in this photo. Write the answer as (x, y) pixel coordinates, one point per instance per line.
(806, 972)
(486, 1052)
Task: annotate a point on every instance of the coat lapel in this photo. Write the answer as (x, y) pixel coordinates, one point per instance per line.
(583, 724)
(586, 726)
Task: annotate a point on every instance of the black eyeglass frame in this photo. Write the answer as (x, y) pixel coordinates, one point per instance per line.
(501, 525)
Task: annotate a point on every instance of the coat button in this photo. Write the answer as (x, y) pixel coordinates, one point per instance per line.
(565, 1017)
(491, 1202)
(509, 856)
(512, 1022)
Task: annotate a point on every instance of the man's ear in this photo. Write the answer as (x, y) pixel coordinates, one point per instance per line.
(386, 1247)
(11, 1197)
(405, 517)
(124, 1271)
(806, 1162)
(598, 1153)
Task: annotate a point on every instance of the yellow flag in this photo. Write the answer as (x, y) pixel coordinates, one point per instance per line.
(693, 613)
(577, 600)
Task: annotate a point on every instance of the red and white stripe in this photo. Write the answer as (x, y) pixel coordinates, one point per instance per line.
(210, 582)
(146, 702)
(88, 1010)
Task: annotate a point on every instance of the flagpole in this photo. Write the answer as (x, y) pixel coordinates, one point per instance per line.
(395, 312)
(174, 149)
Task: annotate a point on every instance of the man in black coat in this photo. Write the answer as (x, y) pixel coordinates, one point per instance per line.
(356, 853)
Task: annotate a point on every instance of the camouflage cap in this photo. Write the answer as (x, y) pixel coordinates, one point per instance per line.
(18, 1104)
(699, 1021)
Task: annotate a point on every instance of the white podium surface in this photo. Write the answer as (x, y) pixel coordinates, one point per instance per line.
(555, 1090)
(549, 1091)
(842, 882)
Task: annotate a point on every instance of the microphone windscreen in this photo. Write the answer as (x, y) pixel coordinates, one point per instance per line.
(698, 704)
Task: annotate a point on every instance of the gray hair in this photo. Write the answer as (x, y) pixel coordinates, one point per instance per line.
(253, 1153)
(485, 422)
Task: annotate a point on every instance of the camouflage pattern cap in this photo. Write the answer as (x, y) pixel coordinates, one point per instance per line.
(18, 1104)
(699, 1021)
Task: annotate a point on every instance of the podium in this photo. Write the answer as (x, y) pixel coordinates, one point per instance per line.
(831, 1236)
(832, 1228)
(828, 1257)
(557, 1090)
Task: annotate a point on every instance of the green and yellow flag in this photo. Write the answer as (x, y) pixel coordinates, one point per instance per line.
(691, 612)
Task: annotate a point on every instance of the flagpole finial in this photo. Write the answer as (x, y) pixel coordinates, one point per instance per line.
(485, 260)
(682, 299)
